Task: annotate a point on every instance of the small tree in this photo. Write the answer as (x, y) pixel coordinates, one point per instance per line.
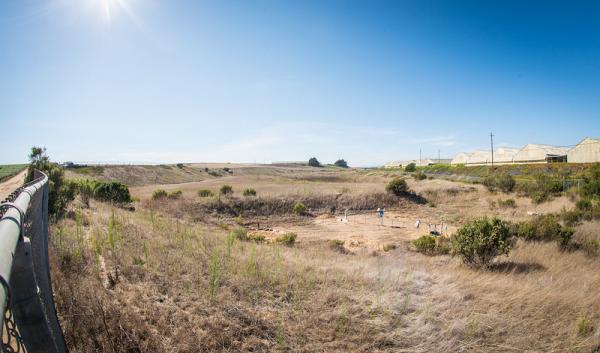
(60, 191)
(410, 167)
(397, 187)
(86, 191)
(481, 240)
(226, 190)
(341, 163)
(314, 162)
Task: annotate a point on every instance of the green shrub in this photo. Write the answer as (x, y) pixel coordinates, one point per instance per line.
(341, 163)
(419, 176)
(508, 203)
(226, 190)
(425, 244)
(432, 245)
(249, 192)
(410, 167)
(288, 239)
(591, 184)
(337, 245)
(111, 191)
(180, 165)
(256, 238)
(545, 228)
(175, 195)
(591, 247)
(205, 193)
(299, 209)
(572, 217)
(503, 181)
(482, 240)
(584, 326)
(584, 205)
(159, 194)
(240, 233)
(314, 162)
(397, 186)
(85, 188)
(60, 191)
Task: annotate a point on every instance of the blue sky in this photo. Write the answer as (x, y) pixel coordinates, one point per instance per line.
(244, 81)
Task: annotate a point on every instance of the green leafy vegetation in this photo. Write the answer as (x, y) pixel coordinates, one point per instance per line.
(341, 163)
(10, 170)
(482, 240)
(249, 192)
(397, 186)
(502, 181)
(288, 239)
(226, 190)
(419, 176)
(545, 228)
(432, 245)
(314, 162)
(60, 191)
(410, 167)
(299, 209)
(205, 193)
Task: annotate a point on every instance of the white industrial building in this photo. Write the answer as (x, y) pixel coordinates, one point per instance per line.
(504, 155)
(586, 151)
(535, 153)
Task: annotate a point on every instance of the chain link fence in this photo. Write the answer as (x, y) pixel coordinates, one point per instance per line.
(30, 323)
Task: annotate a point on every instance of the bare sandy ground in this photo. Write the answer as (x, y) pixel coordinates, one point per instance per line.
(11, 184)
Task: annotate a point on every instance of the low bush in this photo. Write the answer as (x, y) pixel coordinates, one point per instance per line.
(205, 193)
(299, 209)
(288, 239)
(591, 184)
(314, 162)
(482, 240)
(542, 188)
(545, 228)
(508, 203)
(175, 195)
(584, 205)
(337, 245)
(591, 247)
(226, 190)
(503, 182)
(397, 186)
(159, 194)
(240, 233)
(432, 245)
(341, 163)
(410, 167)
(111, 191)
(419, 176)
(388, 247)
(249, 192)
(425, 244)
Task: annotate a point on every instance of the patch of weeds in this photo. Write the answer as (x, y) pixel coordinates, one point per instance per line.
(337, 245)
(288, 239)
(584, 326)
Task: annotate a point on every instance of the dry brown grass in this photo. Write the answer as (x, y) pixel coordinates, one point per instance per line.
(163, 281)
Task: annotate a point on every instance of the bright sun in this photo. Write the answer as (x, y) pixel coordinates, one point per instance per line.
(108, 10)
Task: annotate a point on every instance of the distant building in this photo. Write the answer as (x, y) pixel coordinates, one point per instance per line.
(419, 163)
(586, 151)
(534, 153)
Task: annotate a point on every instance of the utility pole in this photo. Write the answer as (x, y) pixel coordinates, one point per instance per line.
(439, 159)
(420, 161)
(492, 144)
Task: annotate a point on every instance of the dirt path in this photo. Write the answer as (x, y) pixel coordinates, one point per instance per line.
(11, 184)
